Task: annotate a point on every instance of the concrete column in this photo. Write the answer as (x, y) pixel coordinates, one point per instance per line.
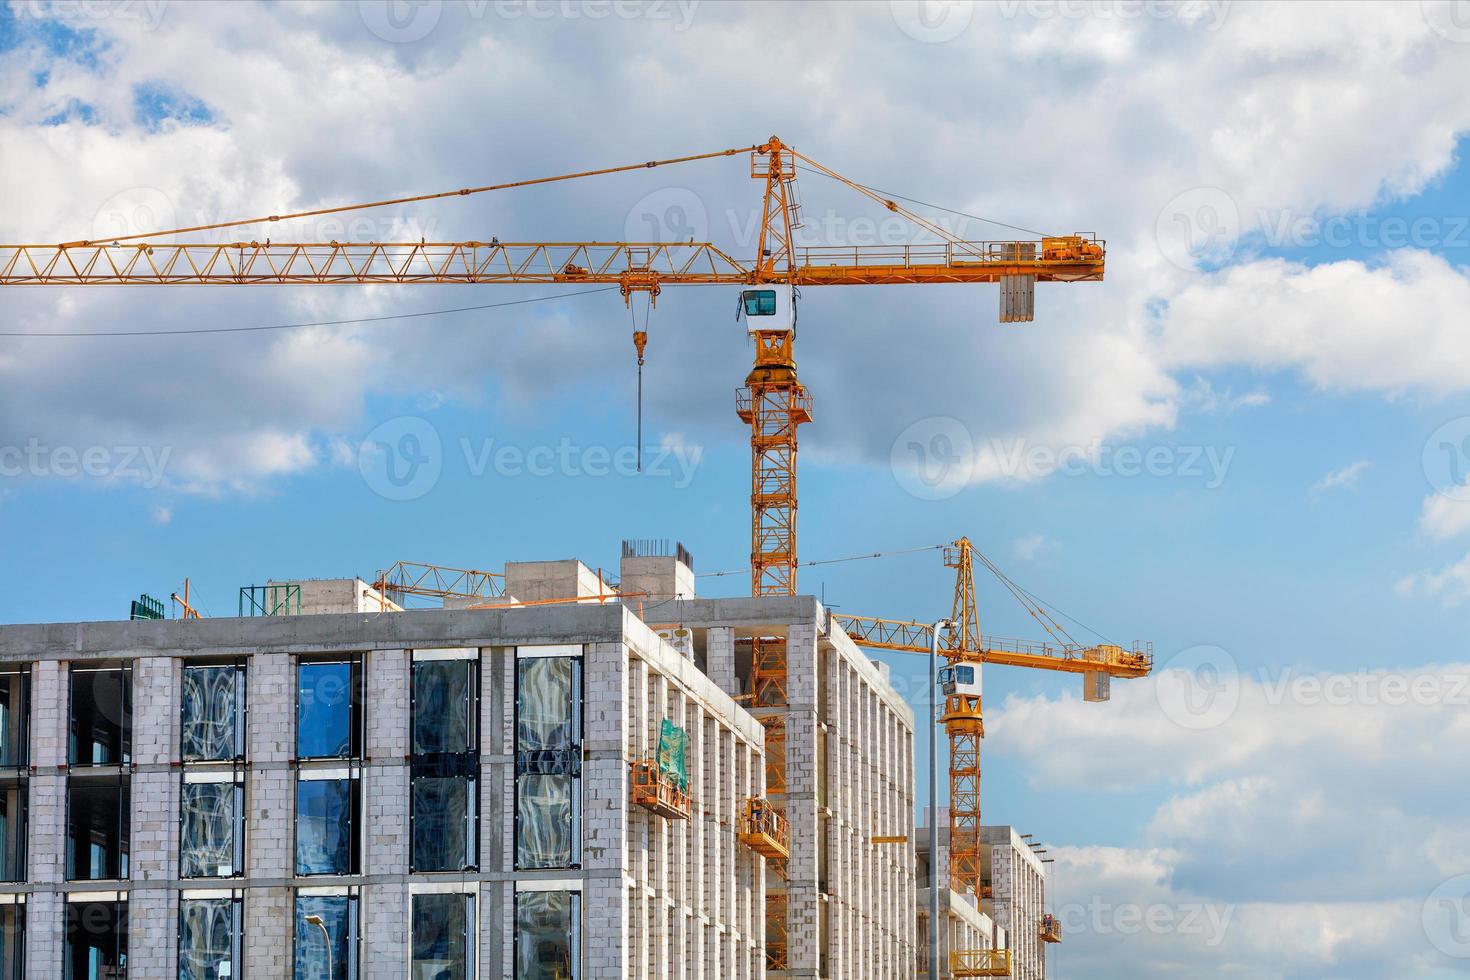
(803, 906)
(270, 836)
(720, 658)
(152, 912)
(269, 915)
(605, 805)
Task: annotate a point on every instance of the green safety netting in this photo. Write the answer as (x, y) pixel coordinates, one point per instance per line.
(673, 753)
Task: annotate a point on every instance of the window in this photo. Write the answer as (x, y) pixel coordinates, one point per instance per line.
(96, 940)
(326, 823)
(443, 937)
(759, 302)
(326, 937)
(548, 762)
(212, 835)
(328, 709)
(13, 812)
(548, 936)
(209, 938)
(444, 800)
(99, 815)
(213, 713)
(101, 716)
(12, 941)
(328, 730)
(15, 709)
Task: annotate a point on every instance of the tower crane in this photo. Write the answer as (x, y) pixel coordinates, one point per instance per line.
(966, 650)
(773, 402)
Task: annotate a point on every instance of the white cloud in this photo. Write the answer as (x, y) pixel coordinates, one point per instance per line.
(1344, 478)
(162, 514)
(1031, 547)
(1315, 818)
(386, 119)
(1450, 585)
(1446, 515)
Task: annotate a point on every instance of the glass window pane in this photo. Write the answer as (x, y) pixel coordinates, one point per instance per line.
(210, 843)
(547, 697)
(326, 937)
(548, 936)
(12, 942)
(326, 811)
(211, 713)
(547, 818)
(12, 832)
(101, 717)
(444, 706)
(209, 937)
(444, 837)
(98, 819)
(14, 718)
(325, 721)
(442, 947)
(96, 940)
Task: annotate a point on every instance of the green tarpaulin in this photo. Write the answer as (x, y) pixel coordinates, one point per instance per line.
(673, 754)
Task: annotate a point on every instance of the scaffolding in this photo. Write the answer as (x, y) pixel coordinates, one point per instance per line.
(764, 829)
(270, 600)
(660, 793)
(980, 962)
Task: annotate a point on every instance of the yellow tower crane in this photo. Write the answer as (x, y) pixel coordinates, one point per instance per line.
(966, 650)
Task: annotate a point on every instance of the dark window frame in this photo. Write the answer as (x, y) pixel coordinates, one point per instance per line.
(543, 763)
(353, 896)
(24, 760)
(120, 907)
(237, 935)
(242, 711)
(470, 936)
(126, 723)
(355, 820)
(98, 775)
(357, 713)
(236, 781)
(447, 765)
(574, 937)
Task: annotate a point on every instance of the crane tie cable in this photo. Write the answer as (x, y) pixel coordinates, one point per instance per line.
(462, 192)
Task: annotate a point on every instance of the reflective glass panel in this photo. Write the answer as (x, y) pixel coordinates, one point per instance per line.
(325, 720)
(99, 814)
(326, 811)
(548, 936)
(101, 717)
(444, 837)
(326, 937)
(212, 837)
(209, 939)
(213, 699)
(548, 703)
(546, 822)
(442, 947)
(444, 706)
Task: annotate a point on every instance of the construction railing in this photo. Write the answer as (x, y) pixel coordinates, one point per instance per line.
(659, 792)
(270, 600)
(764, 829)
(980, 962)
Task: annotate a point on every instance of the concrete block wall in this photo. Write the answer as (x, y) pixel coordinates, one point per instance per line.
(1018, 888)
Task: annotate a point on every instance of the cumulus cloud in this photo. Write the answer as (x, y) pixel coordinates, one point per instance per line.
(1140, 98)
(1313, 814)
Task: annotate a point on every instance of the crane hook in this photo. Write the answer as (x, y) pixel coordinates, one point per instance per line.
(640, 342)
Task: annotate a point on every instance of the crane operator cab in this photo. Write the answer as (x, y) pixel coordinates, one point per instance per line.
(961, 679)
(768, 309)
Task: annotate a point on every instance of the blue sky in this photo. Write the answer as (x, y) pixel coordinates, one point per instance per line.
(1314, 368)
